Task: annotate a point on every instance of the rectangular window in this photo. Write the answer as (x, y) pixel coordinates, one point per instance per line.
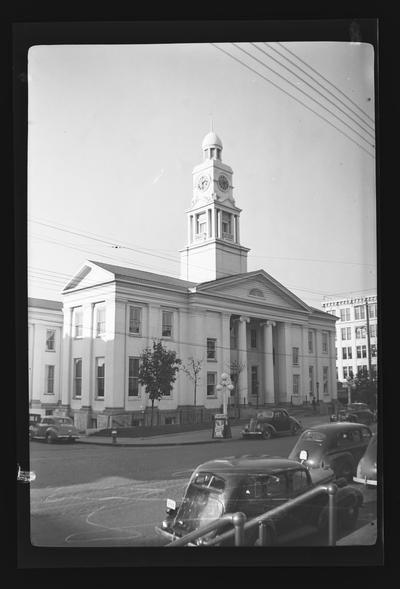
(78, 322)
(358, 348)
(345, 371)
(325, 342)
(77, 378)
(211, 383)
(349, 353)
(226, 222)
(296, 384)
(346, 333)
(211, 349)
(133, 377)
(167, 323)
(135, 320)
(344, 353)
(345, 314)
(295, 356)
(100, 320)
(310, 342)
(253, 337)
(359, 312)
(50, 340)
(325, 373)
(372, 330)
(100, 373)
(201, 220)
(372, 310)
(361, 332)
(311, 380)
(254, 380)
(373, 351)
(49, 379)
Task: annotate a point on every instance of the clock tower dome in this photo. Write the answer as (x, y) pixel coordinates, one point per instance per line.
(213, 249)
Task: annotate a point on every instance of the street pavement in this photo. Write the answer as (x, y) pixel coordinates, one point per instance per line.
(366, 535)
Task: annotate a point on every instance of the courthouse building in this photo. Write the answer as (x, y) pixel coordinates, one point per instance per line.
(216, 312)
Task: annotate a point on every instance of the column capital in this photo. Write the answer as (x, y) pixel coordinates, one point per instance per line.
(244, 319)
(268, 323)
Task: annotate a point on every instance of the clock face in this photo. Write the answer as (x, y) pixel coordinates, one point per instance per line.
(223, 182)
(203, 182)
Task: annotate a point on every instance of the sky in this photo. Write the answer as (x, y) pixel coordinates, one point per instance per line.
(114, 132)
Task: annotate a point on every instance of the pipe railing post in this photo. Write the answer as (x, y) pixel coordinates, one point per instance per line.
(332, 490)
(262, 533)
(238, 521)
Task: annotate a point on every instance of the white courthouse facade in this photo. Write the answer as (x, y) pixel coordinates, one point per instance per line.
(217, 312)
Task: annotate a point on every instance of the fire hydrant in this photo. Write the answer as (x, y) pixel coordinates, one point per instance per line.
(114, 436)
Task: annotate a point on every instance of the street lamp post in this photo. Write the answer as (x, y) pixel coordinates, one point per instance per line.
(224, 386)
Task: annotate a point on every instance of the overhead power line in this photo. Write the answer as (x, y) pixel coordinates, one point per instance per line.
(326, 80)
(372, 135)
(296, 99)
(303, 92)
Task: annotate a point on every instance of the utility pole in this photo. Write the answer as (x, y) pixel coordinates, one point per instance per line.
(368, 339)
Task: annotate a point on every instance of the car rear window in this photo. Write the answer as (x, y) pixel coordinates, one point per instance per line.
(313, 436)
(64, 420)
(265, 414)
(209, 480)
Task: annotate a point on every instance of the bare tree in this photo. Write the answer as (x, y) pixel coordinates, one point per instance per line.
(192, 369)
(235, 368)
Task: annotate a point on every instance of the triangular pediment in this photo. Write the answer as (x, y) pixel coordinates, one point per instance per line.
(89, 275)
(254, 287)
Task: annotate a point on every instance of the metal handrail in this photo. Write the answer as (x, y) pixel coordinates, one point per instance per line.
(237, 519)
(260, 520)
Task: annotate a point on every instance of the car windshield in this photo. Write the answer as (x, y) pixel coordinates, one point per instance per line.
(67, 420)
(357, 406)
(265, 414)
(199, 507)
(209, 480)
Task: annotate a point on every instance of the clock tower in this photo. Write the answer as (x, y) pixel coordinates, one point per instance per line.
(213, 244)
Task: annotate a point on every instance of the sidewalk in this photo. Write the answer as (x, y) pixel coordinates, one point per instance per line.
(203, 436)
(366, 536)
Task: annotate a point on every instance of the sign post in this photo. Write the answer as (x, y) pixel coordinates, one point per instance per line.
(221, 426)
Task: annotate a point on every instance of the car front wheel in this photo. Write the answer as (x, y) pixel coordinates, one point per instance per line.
(50, 438)
(294, 429)
(344, 470)
(267, 434)
(348, 516)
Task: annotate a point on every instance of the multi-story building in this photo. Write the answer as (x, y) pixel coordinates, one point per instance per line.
(45, 325)
(356, 335)
(217, 313)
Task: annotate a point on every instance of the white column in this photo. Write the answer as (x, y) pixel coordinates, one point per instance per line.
(284, 362)
(87, 347)
(305, 363)
(216, 227)
(237, 230)
(242, 356)
(66, 388)
(268, 364)
(225, 357)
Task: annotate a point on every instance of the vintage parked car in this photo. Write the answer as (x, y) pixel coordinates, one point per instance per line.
(366, 469)
(253, 486)
(338, 446)
(271, 422)
(355, 412)
(53, 429)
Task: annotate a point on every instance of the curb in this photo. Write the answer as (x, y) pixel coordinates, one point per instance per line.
(155, 444)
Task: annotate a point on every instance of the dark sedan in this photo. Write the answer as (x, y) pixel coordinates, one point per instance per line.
(355, 412)
(254, 486)
(271, 422)
(367, 467)
(338, 446)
